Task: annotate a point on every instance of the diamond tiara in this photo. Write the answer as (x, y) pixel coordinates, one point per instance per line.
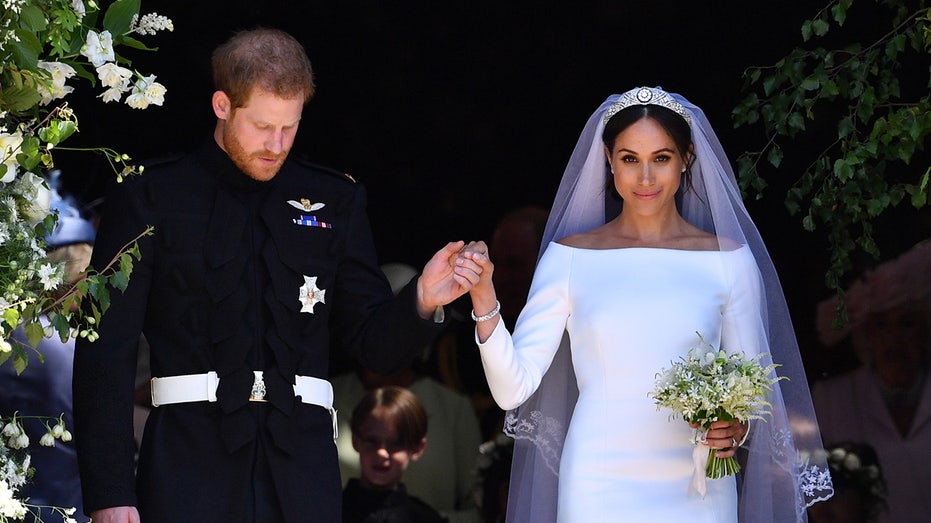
(647, 96)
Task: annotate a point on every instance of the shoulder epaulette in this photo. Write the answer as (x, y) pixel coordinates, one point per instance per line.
(323, 168)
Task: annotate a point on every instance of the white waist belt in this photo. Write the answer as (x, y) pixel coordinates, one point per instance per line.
(189, 388)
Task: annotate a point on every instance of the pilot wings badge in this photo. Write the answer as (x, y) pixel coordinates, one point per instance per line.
(305, 205)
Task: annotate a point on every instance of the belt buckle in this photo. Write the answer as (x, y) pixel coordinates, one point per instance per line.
(258, 388)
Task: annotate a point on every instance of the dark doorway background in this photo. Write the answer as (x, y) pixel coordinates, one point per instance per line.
(451, 113)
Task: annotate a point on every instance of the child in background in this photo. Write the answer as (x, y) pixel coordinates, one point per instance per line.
(389, 428)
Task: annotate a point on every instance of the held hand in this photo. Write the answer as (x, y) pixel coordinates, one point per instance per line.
(442, 280)
(115, 515)
(725, 436)
(474, 257)
(484, 299)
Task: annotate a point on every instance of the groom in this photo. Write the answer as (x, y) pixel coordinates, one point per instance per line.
(260, 265)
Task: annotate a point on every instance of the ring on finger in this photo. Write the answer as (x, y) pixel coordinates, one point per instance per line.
(734, 442)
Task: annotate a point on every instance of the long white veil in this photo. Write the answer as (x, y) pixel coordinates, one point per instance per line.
(784, 467)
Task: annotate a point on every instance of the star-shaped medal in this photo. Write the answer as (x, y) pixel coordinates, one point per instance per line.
(309, 295)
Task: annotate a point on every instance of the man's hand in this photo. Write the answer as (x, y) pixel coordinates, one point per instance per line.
(443, 280)
(115, 515)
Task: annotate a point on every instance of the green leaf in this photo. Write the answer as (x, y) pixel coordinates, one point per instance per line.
(119, 280)
(774, 156)
(34, 333)
(820, 27)
(20, 361)
(839, 11)
(808, 223)
(806, 31)
(769, 84)
(811, 83)
(32, 19)
(119, 16)
(919, 194)
(26, 50)
(843, 169)
(129, 41)
(11, 316)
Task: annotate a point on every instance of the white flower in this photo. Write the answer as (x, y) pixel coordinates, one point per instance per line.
(98, 48)
(5, 345)
(155, 93)
(78, 7)
(66, 436)
(146, 91)
(49, 276)
(60, 73)
(112, 94)
(47, 440)
(151, 23)
(10, 507)
(137, 101)
(37, 195)
(9, 148)
(11, 429)
(19, 442)
(114, 76)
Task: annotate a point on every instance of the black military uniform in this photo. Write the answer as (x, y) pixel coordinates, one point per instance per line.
(239, 276)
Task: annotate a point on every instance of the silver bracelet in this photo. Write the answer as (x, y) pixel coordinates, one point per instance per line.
(485, 317)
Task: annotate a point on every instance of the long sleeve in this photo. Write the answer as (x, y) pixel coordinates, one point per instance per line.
(741, 325)
(515, 365)
(105, 370)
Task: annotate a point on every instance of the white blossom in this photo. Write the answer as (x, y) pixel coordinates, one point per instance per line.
(10, 507)
(60, 73)
(37, 198)
(47, 440)
(112, 94)
(137, 101)
(50, 276)
(146, 91)
(98, 48)
(78, 7)
(9, 148)
(114, 76)
(151, 23)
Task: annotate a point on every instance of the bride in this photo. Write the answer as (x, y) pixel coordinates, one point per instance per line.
(633, 293)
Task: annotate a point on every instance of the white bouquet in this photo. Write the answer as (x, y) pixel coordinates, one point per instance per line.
(710, 385)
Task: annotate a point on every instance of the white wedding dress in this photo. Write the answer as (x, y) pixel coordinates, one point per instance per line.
(629, 313)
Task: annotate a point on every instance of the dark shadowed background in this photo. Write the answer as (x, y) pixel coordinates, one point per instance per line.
(451, 113)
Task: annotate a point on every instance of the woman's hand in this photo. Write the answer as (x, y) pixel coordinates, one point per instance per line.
(725, 436)
(474, 258)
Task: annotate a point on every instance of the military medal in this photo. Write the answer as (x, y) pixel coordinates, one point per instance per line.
(311, 221)
(309, 295)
